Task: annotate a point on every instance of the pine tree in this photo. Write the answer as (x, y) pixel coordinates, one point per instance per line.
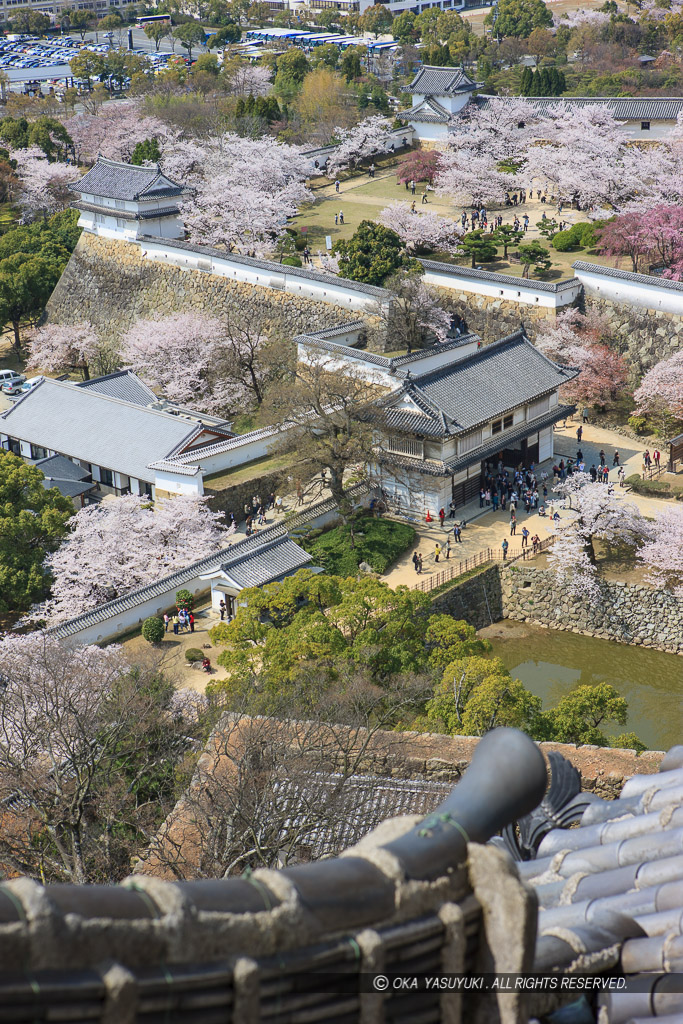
(239, 107)
(249, 105)
(544, 83)
(527, 78)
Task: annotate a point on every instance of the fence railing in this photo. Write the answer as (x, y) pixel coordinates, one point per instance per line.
(488, 556)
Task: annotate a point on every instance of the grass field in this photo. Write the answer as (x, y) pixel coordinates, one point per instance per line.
(363, 198)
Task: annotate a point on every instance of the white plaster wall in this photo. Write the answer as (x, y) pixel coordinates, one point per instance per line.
(523, 293)
(176, 483)
(644, 293)
(545, 444)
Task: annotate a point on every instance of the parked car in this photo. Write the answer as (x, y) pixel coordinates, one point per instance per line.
(31, 383)
(10, 380)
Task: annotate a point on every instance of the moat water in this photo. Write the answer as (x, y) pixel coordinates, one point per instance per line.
(550, 663)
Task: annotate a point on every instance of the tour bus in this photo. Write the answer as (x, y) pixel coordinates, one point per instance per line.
(149, 19)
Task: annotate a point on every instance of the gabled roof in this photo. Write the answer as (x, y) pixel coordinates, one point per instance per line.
(429, 110)
(436, 81)
(493, 380)
(96, 428)
(70, 479)
(112, 179)
(265, 563)
(124, 384)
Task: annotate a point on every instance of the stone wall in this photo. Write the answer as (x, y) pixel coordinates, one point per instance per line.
(110, 284)
(233, 499)
(644, 336)
(493, 318)
(628, 614)
(478, 600)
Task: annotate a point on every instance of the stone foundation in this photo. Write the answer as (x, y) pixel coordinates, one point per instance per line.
(109, 283)
(478, 600)
(493, 318)
(644, 336)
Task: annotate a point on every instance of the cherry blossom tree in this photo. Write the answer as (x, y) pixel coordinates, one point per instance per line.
(43, 185)
(245, 191)
(362, 140)
(654, 234)
(94, 564)
(60, 347)
(574, 340)
(660, 393)
(222, 366)
(662, 552)
(413, 317)
(503, 129)
(471, 177)
(249, 80)
(114, 132)
(595, 514)
(626, 235)
(421, 232)
(572, 19)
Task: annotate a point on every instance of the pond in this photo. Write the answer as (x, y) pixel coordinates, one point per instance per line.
(550, 663)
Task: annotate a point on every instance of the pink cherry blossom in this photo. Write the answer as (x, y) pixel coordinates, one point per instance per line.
(43, 186)
(60, 347)
(661, 389)
(662, 552)
(421, 232)
(363, 140)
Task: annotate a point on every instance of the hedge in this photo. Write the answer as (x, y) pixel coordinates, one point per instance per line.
(651, 488)
(379, 542)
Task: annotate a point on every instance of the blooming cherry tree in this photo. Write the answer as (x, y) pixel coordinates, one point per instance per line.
(421, 232)
(662, 552)
(661, 390)
(60, 347)
(365, 139)
(43, 186)
(471, 177)
(116, 546)
(249, 80)
(114, 132)
(503, 129)
(574, 340)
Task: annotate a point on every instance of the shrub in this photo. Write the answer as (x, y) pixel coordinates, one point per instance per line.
(563, 241)
(194, 654)
(184, 599)
(648, 488)
(153, 630)
(637, 424)
(291, 261)
(379, 542)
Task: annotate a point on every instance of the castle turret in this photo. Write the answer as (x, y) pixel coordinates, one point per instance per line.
(119, 200)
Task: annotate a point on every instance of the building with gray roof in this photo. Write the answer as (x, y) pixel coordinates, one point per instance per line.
(113, 438)
(438, 96)
(265, 562)
(70, 479)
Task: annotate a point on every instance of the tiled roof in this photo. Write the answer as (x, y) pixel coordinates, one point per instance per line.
(96, 428)
(266, 562)
(613, 888)
(629, 108)
(111, 179)
(429, 110)
(168, 211)
(324, 340)
(408, 422)
(441, 81)
(470, 274)
(488, 383)
(626, 275)
(58, 467)
(270, 265)
(124, 384)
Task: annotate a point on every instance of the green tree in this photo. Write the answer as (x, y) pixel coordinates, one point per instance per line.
(190, 36)
(327, 54)
(534, 255)
(147, 150)
(79, 21)
(580, 713)
(33, 520)
(33, 22)
(121, 65)
(477, 694)
(157, 30)
(377, 19)
(88, 66)
(519, 17)
(230, 33)
(526, 82)
(404, 29)
(26, 283)
(292, 68)
(207, 63)
(372, 253)
(480, 246)
(508, 235)
(350, 64)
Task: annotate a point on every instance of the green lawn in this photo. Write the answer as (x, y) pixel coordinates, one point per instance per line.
(379, 542)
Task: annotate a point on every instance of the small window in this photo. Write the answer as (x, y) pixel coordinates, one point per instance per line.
(145, 489)
(644, 126)
(507, 422)
(496, 426)
(106, 477)
(37, 452)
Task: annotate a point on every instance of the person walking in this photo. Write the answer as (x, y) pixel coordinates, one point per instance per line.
(336, 185)
(603, 457)
(437, 552)
(505, 547)
(451, 514)
(442, 516)
(513, 525)
(457, 533)
(278, 503)
(525, 537)
(615, 459)
(416, 561)
(584, 414)
(622, 475)
(448, 547)
(535, 543)
(412, 187)
(222, 607)
(191, 621)
(482, 496)
(299, 495)
(372, 170)
(176, 624)
(341, 216)
(657, 455)
(579, 434)
(424, 197)
(166, 621)
(419, 565)
(336, 218)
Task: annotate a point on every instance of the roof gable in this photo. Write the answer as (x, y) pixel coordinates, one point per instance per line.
(437, 81)
(266, 563)
(111, 179)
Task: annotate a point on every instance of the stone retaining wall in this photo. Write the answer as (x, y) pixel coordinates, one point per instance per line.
(110, 284)
(493, 318)
(478, 600)
(233, 499)
(629, 614)
(644, 336)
